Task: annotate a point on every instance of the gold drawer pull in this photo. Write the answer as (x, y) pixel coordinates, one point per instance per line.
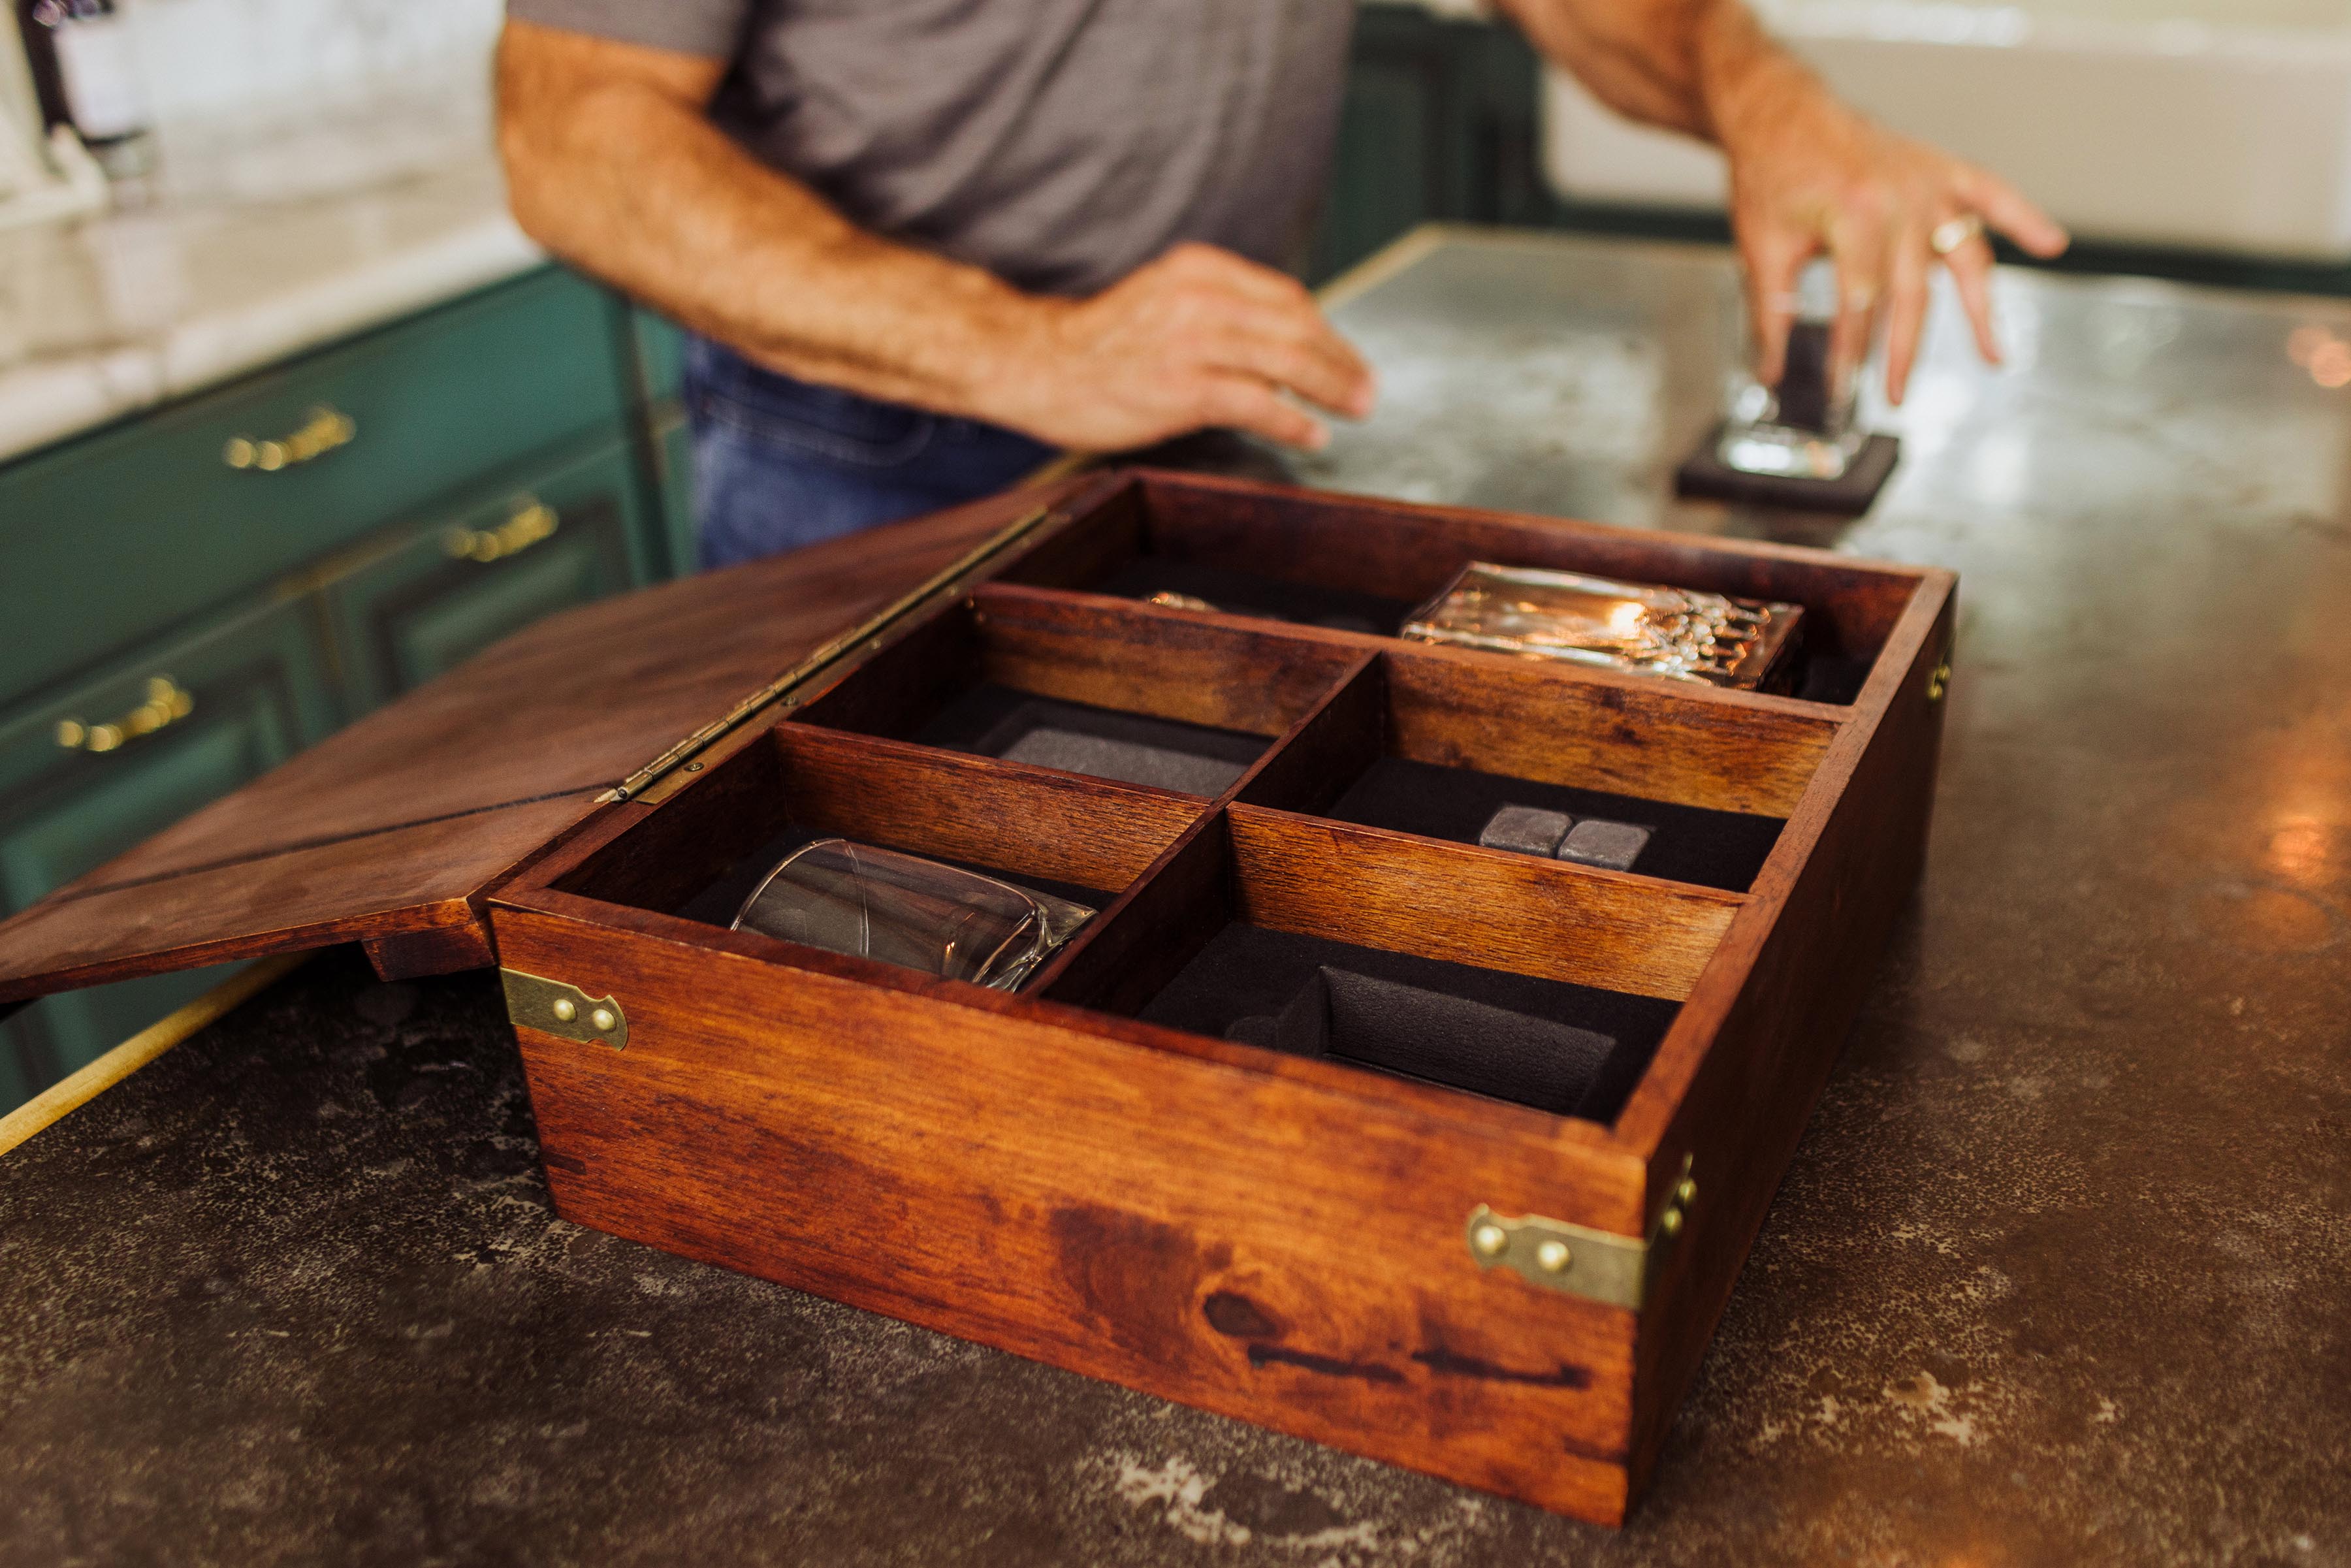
(168, 702)
(328, 429)
(532, 521)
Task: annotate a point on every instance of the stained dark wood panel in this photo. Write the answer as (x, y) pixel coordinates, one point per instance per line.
(1115, 1209)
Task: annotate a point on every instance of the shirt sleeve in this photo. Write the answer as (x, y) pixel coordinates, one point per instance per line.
(713, 28)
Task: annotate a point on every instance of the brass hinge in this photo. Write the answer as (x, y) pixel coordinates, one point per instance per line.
(558, 1008)
(953, 580)
(1576, 1259)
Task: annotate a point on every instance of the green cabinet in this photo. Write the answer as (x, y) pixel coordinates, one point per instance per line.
(1439, 124)
(660, 348)
(673, 458)
(91, 773)
(132, 528)
(445, 592)
(189, 605)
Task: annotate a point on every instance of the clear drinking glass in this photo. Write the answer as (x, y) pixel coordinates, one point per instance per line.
(901, 909)
(1804, 426)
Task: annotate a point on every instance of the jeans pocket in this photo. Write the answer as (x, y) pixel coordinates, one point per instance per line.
(722, 388)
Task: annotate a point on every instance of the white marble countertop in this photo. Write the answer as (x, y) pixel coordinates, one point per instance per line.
(262, 239)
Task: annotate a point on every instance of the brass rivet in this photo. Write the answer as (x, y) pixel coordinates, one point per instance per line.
(603, 1019)
(1551, 1255)
(1671, 1224)
(1687, 1193)
(1490, 1240)
(565, 1010)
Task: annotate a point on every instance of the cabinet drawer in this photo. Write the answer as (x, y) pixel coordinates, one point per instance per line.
(573, 534)
(154, 740)
(117, 534)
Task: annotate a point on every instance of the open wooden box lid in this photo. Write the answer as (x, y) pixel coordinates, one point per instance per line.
(390, 831)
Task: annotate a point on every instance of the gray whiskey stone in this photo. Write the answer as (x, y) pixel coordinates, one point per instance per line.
(1524, 828)
(1594, 842)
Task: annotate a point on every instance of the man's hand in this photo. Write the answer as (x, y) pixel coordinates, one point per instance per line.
(1810, 176)
(1807, 174)
(1200, 337)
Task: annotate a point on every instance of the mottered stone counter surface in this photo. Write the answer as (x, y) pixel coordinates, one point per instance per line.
(2061, 1272)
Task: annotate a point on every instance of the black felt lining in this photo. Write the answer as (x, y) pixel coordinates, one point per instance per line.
(1247, 593)
(1248, 972)
(1831, 678)
(718, 903)
(1131, 748)
(1687, 843)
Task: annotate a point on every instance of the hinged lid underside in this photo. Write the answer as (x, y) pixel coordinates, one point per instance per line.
(395, 825)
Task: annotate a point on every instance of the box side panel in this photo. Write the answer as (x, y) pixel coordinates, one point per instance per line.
(1786, 990)
(1235, 1240)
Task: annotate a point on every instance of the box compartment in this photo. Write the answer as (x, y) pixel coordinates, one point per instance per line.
(1088, 689)
(1360, 566)
(1434, 746)
(1079, 838)
(1543, 984)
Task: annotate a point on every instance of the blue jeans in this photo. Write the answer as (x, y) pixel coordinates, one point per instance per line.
(781, 463)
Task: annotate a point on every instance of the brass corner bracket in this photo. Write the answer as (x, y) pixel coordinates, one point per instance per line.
(554, 1007)
(1575, 1259)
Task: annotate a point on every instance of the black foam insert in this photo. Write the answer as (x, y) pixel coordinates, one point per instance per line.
(1133, 747)
(718, 903)
(1830, 677)
(1417, 1033)
(1247, 593)
(1547, 1052)
(1687, 843)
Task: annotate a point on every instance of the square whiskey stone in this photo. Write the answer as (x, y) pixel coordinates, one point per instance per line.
(1595, 842)
(1524, 828)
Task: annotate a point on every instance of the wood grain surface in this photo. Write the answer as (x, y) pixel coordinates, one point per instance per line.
(1237, 1241)
(1492, 909)
(1736, 1078)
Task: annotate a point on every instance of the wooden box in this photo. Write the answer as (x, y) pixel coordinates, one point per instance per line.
(1099, 1171)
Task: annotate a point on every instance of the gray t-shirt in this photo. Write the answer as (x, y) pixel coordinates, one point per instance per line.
(1058, 143)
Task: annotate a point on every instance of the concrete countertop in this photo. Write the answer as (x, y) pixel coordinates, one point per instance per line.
(261, 237)
(2058, 1275)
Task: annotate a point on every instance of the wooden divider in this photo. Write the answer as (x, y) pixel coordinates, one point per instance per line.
(1489, 908)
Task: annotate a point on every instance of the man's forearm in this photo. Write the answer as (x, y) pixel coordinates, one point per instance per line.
(630, 182)
(612, 164)
(1701, 66)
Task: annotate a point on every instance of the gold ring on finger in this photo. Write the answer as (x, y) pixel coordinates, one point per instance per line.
(1953, 233)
